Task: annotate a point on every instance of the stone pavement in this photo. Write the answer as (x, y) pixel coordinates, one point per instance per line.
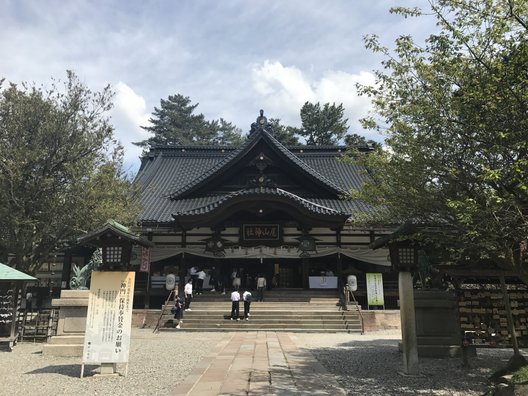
(259, 363)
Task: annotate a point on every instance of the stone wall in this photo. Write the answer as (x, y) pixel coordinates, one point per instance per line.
(381, 320)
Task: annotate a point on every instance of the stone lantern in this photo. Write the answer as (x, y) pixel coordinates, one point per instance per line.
(404, 259)
(116, 242)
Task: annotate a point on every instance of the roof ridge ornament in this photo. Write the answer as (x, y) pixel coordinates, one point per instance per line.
(261, 124)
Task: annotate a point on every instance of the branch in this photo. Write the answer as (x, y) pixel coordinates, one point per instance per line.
(515, 16)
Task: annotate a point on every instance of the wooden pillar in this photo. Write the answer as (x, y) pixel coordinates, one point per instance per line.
(16, 294)
(339, 273)
(339, 262)
(182, 272)
(305, 273)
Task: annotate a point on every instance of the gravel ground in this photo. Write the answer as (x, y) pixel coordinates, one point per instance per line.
(364, 364)
(157, 363)
(369, 365)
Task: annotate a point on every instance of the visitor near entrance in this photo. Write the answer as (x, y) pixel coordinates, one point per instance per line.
(29, 301)
(235, 275)
(193, 272)
(247, 304)
(261, 285)
(224, 279)
(235, 305)
(188, 290)
(213, 280)
(199, 282)
(177, 310)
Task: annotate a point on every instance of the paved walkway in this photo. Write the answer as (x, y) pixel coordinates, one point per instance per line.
(259, 363)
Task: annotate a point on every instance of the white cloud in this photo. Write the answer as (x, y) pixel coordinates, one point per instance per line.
(128, 115)
(205, 50)
(284, 89)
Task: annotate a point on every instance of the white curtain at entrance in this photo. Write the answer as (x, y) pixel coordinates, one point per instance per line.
(377, 257)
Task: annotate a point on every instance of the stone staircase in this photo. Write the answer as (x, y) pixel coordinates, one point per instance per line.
(285, 310)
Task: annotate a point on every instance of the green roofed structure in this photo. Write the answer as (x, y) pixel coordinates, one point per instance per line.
(11, 282)
(8, 273)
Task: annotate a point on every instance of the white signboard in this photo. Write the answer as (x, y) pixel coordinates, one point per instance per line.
(375, 289)
(322, 282)
(108, 324)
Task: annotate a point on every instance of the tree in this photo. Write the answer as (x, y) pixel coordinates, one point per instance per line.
(355, 140)
(226, 133)
(455, 114)
(60, 169)
(175, 123)
(323, 125)
(284, 134)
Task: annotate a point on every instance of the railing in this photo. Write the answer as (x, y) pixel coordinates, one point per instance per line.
(347, 293)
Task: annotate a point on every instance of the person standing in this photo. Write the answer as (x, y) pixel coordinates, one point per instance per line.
(194, 276)
(29, 301)
(199, 282)
(224, 273)
(247, 304)
(235, 305)
(261, 285)
(178, 310)
(235, 275)
(188, 290)
(215, 278)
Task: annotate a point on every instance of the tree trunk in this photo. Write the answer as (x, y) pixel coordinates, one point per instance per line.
(511, 326)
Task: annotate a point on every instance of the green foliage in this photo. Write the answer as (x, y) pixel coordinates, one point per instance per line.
(225, 133)
(520, 376)
(455, 112)
(355, 140)
(60, 169)
(284, 134)
(324, 125)
(175, 123)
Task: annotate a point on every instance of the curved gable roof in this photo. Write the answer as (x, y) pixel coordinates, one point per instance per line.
(261, 192)
(233, 158)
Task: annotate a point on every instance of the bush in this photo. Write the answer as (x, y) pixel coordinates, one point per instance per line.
(520, 376)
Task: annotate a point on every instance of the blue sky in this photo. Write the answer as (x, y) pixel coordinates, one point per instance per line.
(233, 57)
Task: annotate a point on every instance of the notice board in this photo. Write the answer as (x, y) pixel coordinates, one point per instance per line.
(375, 289)
(108, 324)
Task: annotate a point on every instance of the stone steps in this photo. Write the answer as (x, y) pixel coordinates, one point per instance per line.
(291, 316)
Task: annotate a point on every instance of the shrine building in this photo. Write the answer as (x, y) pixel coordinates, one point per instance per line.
(259, 208)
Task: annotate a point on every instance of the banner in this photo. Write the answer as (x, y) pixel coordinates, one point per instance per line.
(375, 289)
(144, 265)
(109, 319)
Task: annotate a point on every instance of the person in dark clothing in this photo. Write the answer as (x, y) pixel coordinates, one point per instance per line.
(200, 281)
(261, 285)
(215, 278)
(235, 305)
(178, 310)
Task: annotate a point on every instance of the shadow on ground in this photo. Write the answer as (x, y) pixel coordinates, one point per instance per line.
(69, 370)
(372, 368)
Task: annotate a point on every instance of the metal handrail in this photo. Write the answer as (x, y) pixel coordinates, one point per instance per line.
(348, 293)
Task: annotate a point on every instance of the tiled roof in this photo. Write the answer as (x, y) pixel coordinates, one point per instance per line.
(113, 226)
(346, 176)
(178, 189)
(169, 175)
(262, 192)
